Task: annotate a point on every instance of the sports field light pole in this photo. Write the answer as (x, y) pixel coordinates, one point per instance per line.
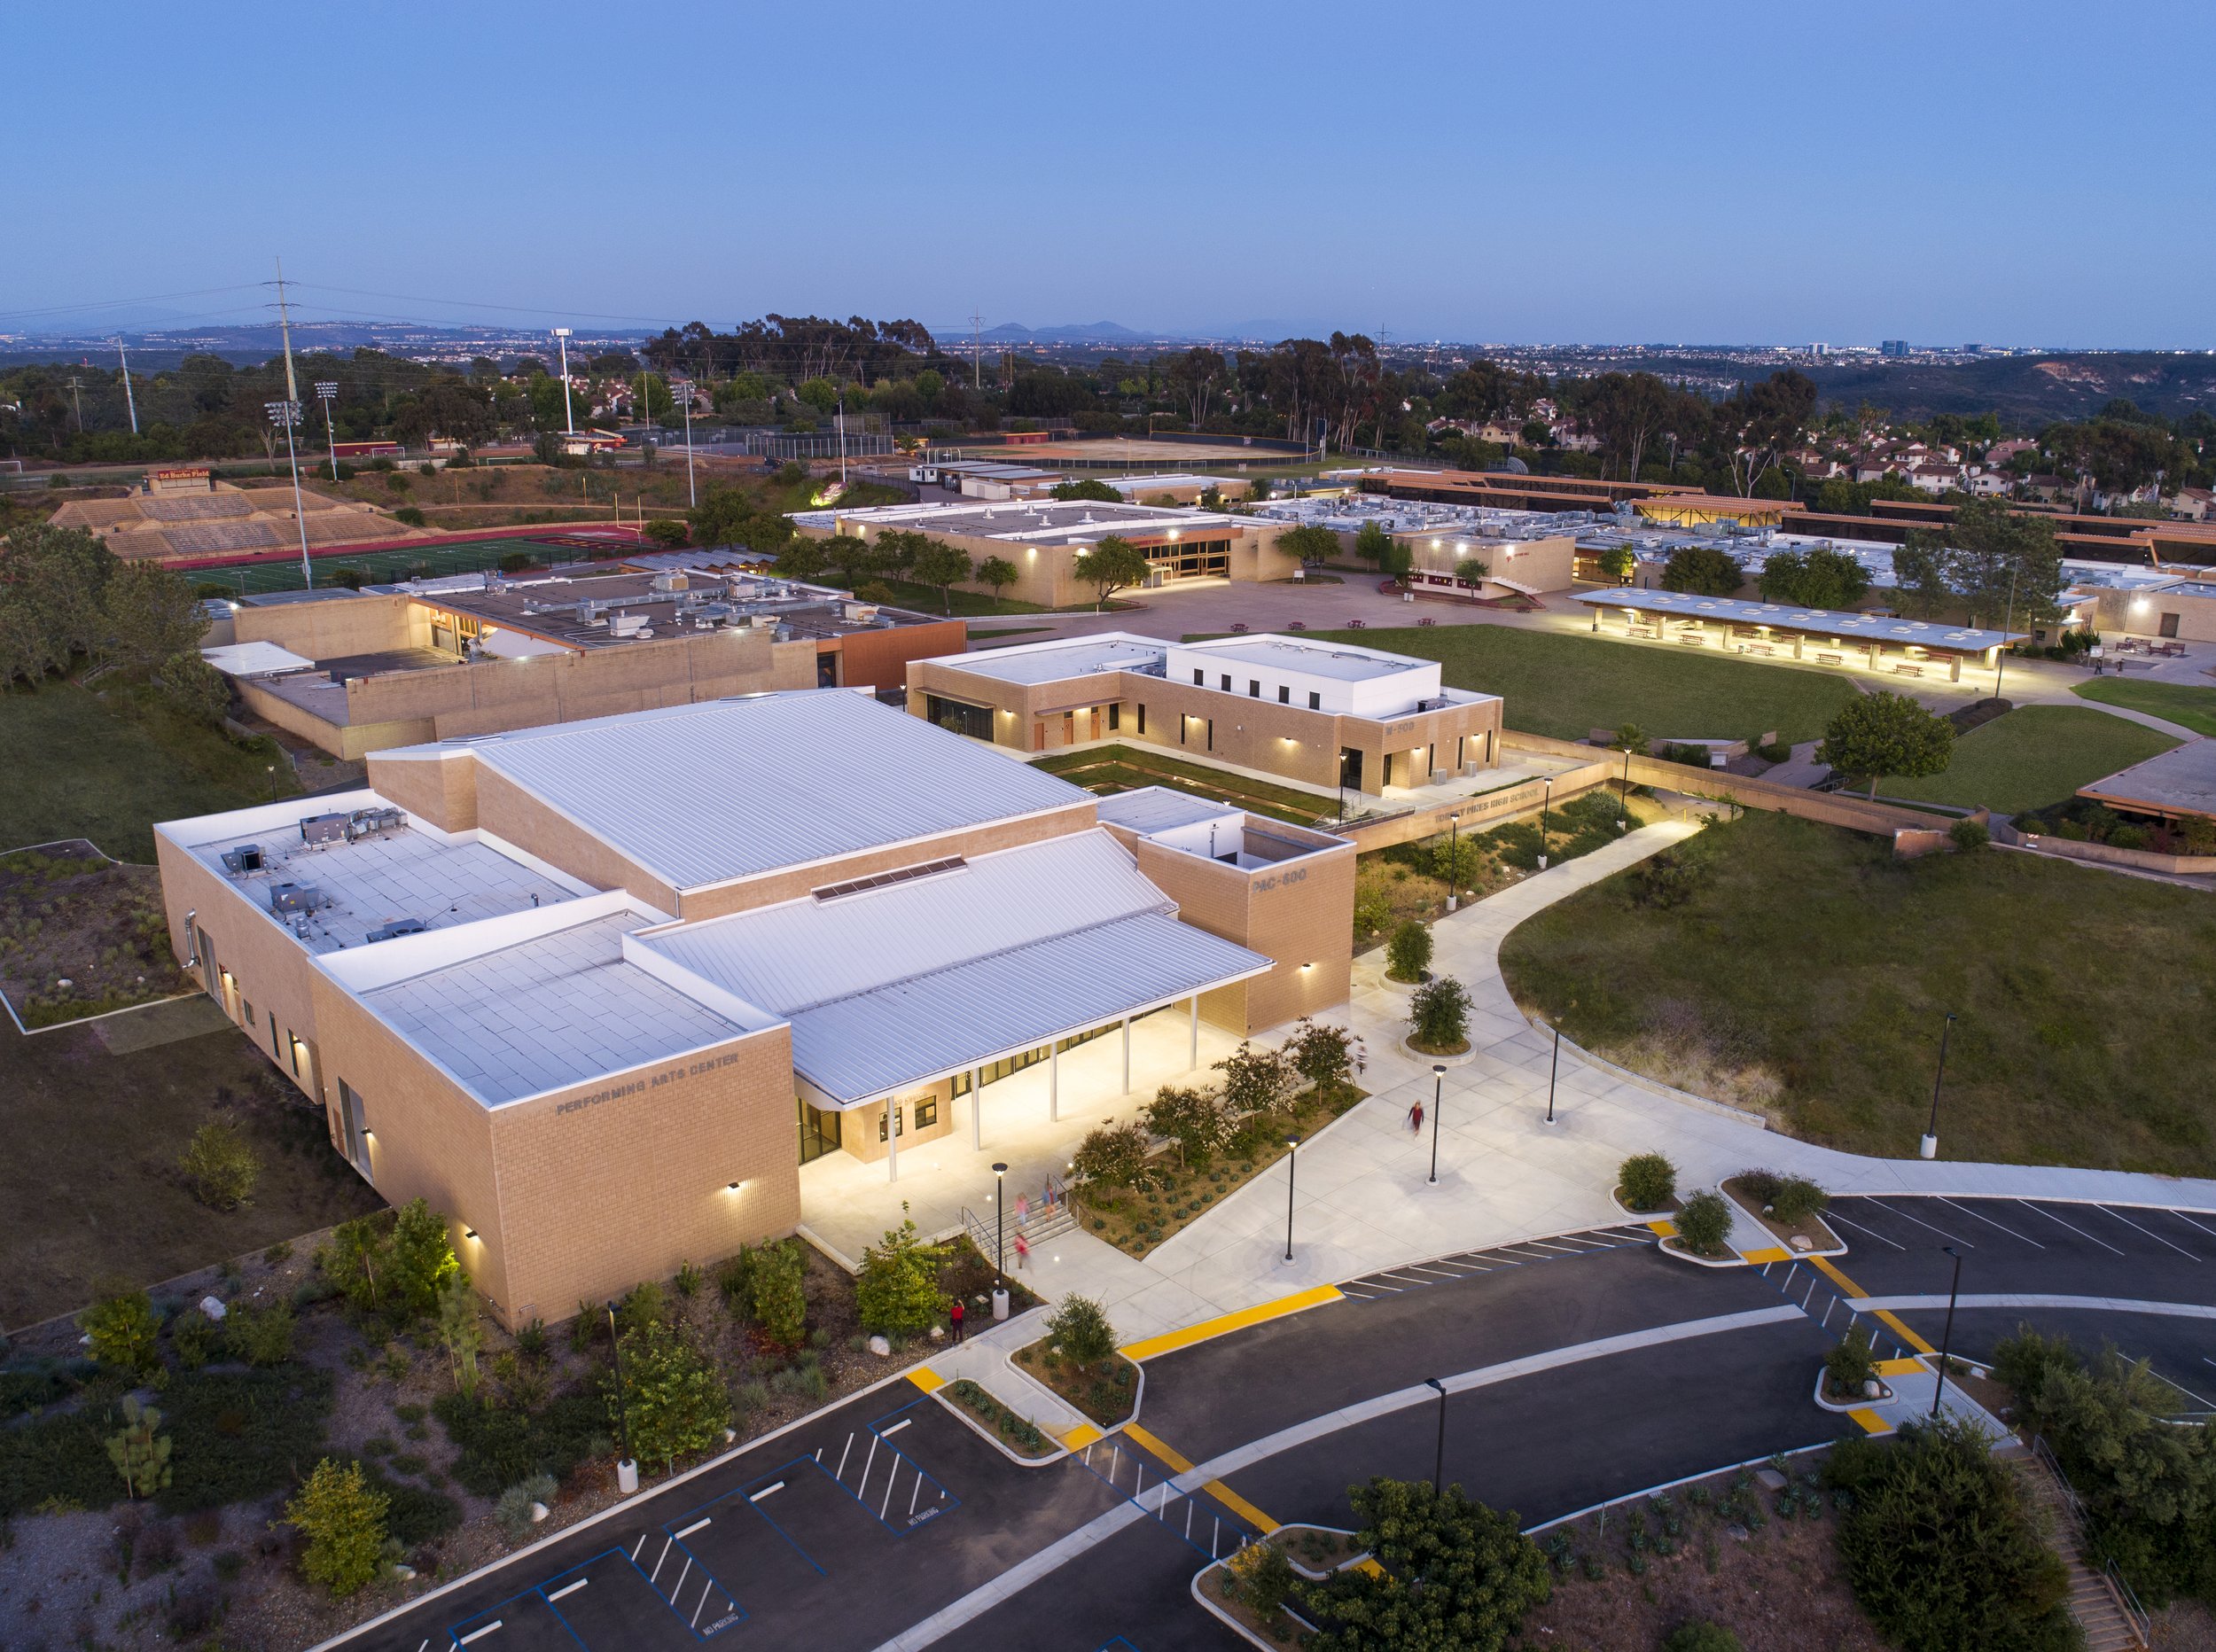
(1439, 1457)
(569, 413)
(287, 414)
(326, 392)
(1292, 1156)
(1439, 1090)
(1946, 1336)
(627, 1467)
(1929, 1147)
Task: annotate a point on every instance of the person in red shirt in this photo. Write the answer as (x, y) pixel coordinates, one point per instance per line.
(955, 1313)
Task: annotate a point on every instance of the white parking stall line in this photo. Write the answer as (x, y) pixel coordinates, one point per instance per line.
(567, 1589)
(2149, 1232)
(1425, 1268)
(1215, 1536)
(677, 1588)
(896, 1428)
(636, 1546)
(695, 1526)
(1809, 1294)
(1920, 1222)
(841, 1475)
(890, 1478)
(659, 1560)
(2189, 1222)
(1462, 1268)
(478, 1634)
(1833, 1215)
(757, 1496)
(701, 1605)
(915, 1493)
(2058, 1222)
(2023, 1238)
(1407, 1283)
(869, 1463)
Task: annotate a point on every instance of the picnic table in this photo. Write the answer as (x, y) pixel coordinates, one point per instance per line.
(1427, 619)
(1297, 625)
(1239, 625)
(1692, 642)
(1832, 659)
(1358, 625)
(1758, 648)
(1908, 671)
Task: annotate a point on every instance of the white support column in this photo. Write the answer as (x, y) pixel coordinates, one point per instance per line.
(1054, 1080)
(977, 1107)
(1127, 1055)
(1195, 1061)
(892, 1145)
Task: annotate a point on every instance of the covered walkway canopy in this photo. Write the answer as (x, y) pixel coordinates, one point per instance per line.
(1920, 646)
(1696, 509)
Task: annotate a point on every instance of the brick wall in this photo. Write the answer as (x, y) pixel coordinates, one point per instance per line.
(334, 629)
(440, 790)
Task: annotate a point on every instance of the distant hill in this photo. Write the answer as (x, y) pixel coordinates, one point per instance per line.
(2027, 390)
(1074, 332)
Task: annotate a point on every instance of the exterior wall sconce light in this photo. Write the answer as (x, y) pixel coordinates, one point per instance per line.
(469, 1232)
(732, 1186)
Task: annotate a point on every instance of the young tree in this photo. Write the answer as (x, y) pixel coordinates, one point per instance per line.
(801, 559)
(258, 1336)
(1254, 1082)
(1704, 570)
(1408, 954)
(942, 567)
(674, 1402)
(343, 1520)
(122, 1331)
(778, 1275)
(195, 688)
(1920, 586)
(897, 1289)
(1191, 1118)
(1439, 1015)
(1886, 734)
(460, 1329)
(998, 573)
(1082, 1330)
(139, 1451)
(152, 617)
(1450, 1572)
(855, 558)
(218, 1166)
(1617, 562)
(1373, 545)
(1112, 1156)
(1322, 1055)
(1110, 566)
(423, 1257)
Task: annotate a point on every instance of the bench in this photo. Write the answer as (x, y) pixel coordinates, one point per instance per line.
(1908, 671)
(1832, 659)
(1239, 624)
(1427, 619)
(1692, 642)
(1297, 625)
(1358, 625)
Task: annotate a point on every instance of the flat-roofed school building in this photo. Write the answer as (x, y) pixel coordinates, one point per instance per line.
(1043, 538)
(1325, 715)
(607, 991)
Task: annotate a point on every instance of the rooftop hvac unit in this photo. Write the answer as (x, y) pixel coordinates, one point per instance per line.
(396, 928)
(245, 859)
(587, 612)
(374, 822)
(325, 828)
(627, 624)
(291, 898)
(668, 581)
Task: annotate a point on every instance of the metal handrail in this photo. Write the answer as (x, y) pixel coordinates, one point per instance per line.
(2126, 1598)
(2127, 1601)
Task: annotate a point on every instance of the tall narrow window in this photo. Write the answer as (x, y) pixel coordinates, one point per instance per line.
(1224, 682)
(1284, 695)
(1142, 716)
(355, 1121)
(1254, 689)
(1315, 700)
(1201, 679)
(1115, 717)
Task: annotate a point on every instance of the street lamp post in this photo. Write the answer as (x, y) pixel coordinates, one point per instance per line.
(1546, 803)
(1000, 1243)
(1554, 1071)
(1292, 1156)
(1946, 1336)
(273, 783)
(1929, 1147)
(1439, 1091)
(1454, 860)
(1439, 1457)
(2001, 654)
(627, 1467)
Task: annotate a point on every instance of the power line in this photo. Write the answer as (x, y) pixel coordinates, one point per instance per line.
(155, 298)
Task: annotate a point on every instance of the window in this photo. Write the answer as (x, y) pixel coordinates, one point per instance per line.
(1199, 680)
(246, 1011)
(927, 1112)
(1284, 695)
(819, 1130)
(1253, 690)
(353, 1121)
(892, 1111)
(275, 1049)
(1115, 717)
(1315, 700)
(961, 717)
(1183, 719)
(1142, 716)
(1224, 682)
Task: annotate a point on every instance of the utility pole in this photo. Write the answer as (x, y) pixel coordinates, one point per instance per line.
(74, 385)
(842, 435)
(287, 413)
(285, 327)
(976, 348)
(692, 493)
(130, 403)
(569, 413)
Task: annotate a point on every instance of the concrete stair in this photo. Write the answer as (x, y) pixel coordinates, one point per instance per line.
(2100, 1615)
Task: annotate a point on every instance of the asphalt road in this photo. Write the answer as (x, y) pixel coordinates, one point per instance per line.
(1579, 1369)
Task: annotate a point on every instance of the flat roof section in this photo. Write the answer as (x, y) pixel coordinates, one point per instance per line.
(1157, 808)
(1820, 622)
(547, 1014)
(724, 790)
(1317, 659)
(2180, 781)
(1038, 521)
(397, 874)
(1050, 662)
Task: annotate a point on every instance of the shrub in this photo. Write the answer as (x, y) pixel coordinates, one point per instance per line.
(1968, 835)
(1324, 1056)
(343, 1520)
(1409, 953)
(1082, 1330)
(1849, 1365)
(1944, 1554)
(410, 514)
(518, 562)
(139, 1451)
(1702, 1636)
(218, 1166)
(1439, 1014)
(195, 1338)
(1260, 1577)
(498, 1447)
(258, 1336)
(673, 1398)
(513, 1512)
(123, 1329)
(1479, 1574)
(1669, 878)
(2128, 837)
(1798, 1199)
(1762, 1185)
(897, 1291)
(1648, 1182)
(460, 1330)
(1190, 1118)
(1703, 1221)
(1256, 1081)
(780, 1293)
(1692, 756)
(1112, 1156)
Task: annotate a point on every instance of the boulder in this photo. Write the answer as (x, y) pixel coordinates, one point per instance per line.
(539, 1511)
(213, 1306)
(880, 1348)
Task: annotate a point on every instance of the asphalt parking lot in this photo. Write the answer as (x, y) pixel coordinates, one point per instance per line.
(1580, 1368)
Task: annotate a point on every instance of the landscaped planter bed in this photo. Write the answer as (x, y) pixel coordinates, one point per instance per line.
(1014, 1433)
(1107, 1391)
(1811, 1236)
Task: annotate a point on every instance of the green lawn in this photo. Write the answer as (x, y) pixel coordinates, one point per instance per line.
(2034, 756)
(1565, 685)
(1810, 973)
(109, 767)
(929, 599)
(1107, 769)
(2179, 703)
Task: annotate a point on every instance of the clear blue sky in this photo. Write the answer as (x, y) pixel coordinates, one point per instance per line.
(2031, 173)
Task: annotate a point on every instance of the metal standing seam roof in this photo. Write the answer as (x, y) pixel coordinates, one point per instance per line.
(857, 1047)
(1778, 616)
(727, 789)
(798, 953)
(547, 1014)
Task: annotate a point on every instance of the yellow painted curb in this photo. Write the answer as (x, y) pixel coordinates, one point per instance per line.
(1260, 1313)
(1240, 1506)
(1079, 1437)
(926, 1379)
(1871, 1422)
(1903, 1368)
(1147, 1442)
(1884, 1316)
(1775, 1254)
(1663, 1229)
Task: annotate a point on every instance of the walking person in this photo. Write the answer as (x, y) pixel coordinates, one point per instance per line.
(1361, 1057)
(1023, 1212)
(956, 1313)
(1415, 1117)
(1023, 1252)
